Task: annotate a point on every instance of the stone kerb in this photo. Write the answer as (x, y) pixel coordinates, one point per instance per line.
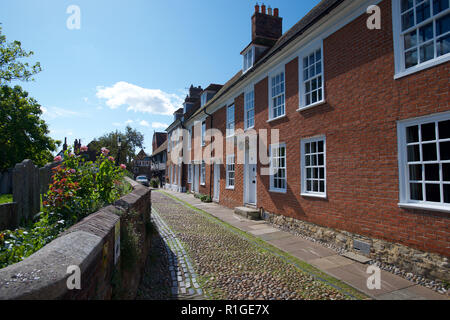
(89, 245)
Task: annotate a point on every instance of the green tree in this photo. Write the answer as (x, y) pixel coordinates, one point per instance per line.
(23, 135)
(131, 141)
(10, 68)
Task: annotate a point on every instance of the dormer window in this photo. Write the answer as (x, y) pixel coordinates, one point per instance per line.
(249, 58)
(204, 98)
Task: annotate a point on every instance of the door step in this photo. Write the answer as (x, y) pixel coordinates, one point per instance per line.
(248, 213)
(357, 257)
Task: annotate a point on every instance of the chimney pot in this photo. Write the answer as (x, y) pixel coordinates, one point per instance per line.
(263, 9)
(269, 11)
(257, 8)
(276, 12)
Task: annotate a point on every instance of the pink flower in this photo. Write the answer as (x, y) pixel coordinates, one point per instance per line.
(84, 149)
(111, 159)
(123, 166)
(73, 170)
(71, 154)
(57, 159)
(105, 151)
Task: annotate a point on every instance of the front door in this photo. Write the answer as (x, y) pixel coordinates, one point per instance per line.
(196, 178)
(216, 182)
(250, 178)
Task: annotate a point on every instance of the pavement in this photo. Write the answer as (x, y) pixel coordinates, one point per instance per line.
(353, 273)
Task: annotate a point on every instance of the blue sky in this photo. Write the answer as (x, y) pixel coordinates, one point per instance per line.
(131, 61)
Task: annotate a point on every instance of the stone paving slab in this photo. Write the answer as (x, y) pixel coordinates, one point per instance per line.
(353, 273)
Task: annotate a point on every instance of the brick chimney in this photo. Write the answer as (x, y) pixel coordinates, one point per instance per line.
(266, 26)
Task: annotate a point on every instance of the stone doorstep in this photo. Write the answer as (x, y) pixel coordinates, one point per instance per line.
(357, 257)
(247, 213)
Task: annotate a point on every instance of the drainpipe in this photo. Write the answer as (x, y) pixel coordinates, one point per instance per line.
(210, 167)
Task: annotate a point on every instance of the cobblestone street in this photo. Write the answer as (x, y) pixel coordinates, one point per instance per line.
(196, 256)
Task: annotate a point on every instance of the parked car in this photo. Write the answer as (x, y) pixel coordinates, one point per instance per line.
(143, 180)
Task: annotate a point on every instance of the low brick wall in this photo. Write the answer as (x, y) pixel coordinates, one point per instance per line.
(91, 245)
(429, 265)
(8, 216)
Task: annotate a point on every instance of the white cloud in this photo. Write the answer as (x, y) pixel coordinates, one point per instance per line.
(144, 123)
(159, 125)
(128, 122)
(56, 112)
(138, 99)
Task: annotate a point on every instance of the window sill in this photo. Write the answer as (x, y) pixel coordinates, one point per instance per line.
(202, 184)
(277, 118)
(423, 66)
(316, 104)
(229, 188)
(277, 190)
(314, 195)
(249, 128)
(423, 206)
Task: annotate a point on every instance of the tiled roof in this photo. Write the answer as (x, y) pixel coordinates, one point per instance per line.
(162, 148)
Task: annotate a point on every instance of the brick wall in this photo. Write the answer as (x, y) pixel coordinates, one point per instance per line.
(89, 245)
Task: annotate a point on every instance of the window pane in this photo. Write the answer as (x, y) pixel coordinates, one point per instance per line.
(412, 134)
(443, 45)
(307, 148)
(322, 173)
(432, 172)
(308, 173)
(308, 185)
(315, 186)
(322, 186)
(308, 161)
(433, 192)
(410, 39)
(440, 5)
(318, 55)
(320, 159)
(429, 152)
(415, 172)
(445, 150)
(443, 25)
(427, 52)
(446, 171)
(428, 132)
(320, 146)
(407, 4)
(426, 33)
(407, 20)
(447, 193)
(444, 129)
(423, 11)
(410, 58)
(413, 153)
(416, 191)
(313, 147)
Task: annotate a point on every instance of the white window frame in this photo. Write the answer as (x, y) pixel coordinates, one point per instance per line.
(204, 98)
(272, 168)
(189, 142)
(304, 167)
(404, 185)
(189, 173)
(313, 48)
(249, 105)
(400, 70)
(280, 70)
(203, 133)
(203, 173)
(230, 122)
(249, 59)
(230, 163)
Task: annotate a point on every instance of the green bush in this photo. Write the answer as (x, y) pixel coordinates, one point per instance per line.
(78, 188)
(154, 183)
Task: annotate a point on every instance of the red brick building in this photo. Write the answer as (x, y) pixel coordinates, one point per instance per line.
(363, 116)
